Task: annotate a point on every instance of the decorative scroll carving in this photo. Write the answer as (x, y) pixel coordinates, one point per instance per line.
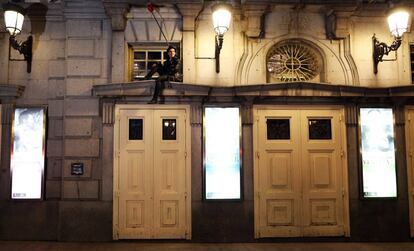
(254, 14)
(117, 12)
(247, 114)
(108, 113)
(196, 116)
(351, 115)
(399, 116)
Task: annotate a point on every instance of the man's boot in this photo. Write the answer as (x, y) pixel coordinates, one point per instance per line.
(157, 90)
(153, 70)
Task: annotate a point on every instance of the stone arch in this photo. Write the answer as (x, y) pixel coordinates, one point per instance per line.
(339, 67)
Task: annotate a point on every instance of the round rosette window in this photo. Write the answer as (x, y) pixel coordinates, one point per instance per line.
(293, 62)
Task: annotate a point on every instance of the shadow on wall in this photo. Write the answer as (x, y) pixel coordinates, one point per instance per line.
(37, 15)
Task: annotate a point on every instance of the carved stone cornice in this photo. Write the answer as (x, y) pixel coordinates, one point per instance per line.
(117, 12)
(189, 11)
(254, 16)
(11, 91)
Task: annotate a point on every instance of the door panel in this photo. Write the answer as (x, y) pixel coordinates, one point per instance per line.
(152, 174)
(300, 187)
(280, 187)
(169, 174)
(322, 176)
(135, 185)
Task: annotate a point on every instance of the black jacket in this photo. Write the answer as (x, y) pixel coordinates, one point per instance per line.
(171, 66)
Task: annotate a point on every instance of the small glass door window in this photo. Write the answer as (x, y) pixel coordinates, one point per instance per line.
(320, 129)
(278, 128)
(135, 129)
(169, 129)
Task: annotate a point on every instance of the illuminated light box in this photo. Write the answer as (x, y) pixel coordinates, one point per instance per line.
(222, 153)
(378, 152)
(28, 153)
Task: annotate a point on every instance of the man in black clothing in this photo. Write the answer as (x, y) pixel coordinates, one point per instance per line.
(169, 71)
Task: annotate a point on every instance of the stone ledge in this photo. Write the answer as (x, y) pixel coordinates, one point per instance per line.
(181, 91)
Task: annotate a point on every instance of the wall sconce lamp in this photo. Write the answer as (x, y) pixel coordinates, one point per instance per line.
(13, 18)
(221, 23)
(398, 24)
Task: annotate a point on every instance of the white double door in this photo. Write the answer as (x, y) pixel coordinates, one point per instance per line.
(300, 172)
(152, 176)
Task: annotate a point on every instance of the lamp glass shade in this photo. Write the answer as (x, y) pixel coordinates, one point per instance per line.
(221, 19)
(398, 22)
(14, 21)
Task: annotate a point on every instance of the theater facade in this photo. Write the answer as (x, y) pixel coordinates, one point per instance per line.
(291, 124)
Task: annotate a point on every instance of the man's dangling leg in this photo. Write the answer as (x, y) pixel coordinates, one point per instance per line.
(162, 80)
(155, 68)
(157, 91)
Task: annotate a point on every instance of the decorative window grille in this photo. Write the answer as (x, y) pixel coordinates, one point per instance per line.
(293, 61)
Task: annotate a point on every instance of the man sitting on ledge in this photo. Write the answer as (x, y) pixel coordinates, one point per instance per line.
(169, 71)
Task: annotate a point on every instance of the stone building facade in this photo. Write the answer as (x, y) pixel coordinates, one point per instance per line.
(82, 73)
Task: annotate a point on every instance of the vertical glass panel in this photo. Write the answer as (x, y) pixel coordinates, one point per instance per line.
(378, 155)
(150, 64)
(154, 55)
(139, 66)
(135, 129)
(139, 55)
(320, 129)
(28, 153)
(169, 131)
(278, 128)
(222, 153)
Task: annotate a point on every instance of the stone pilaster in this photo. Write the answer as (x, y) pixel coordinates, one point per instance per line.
(189, 13)
(87, 63)
(5, 138)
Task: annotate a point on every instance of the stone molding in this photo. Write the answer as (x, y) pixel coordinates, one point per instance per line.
(108, 113)
(247, 114)
(189, 13)
(196, 114)
(351, 115)
(117, 11)
(175, 90)
(254, 17)
(11, 91)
